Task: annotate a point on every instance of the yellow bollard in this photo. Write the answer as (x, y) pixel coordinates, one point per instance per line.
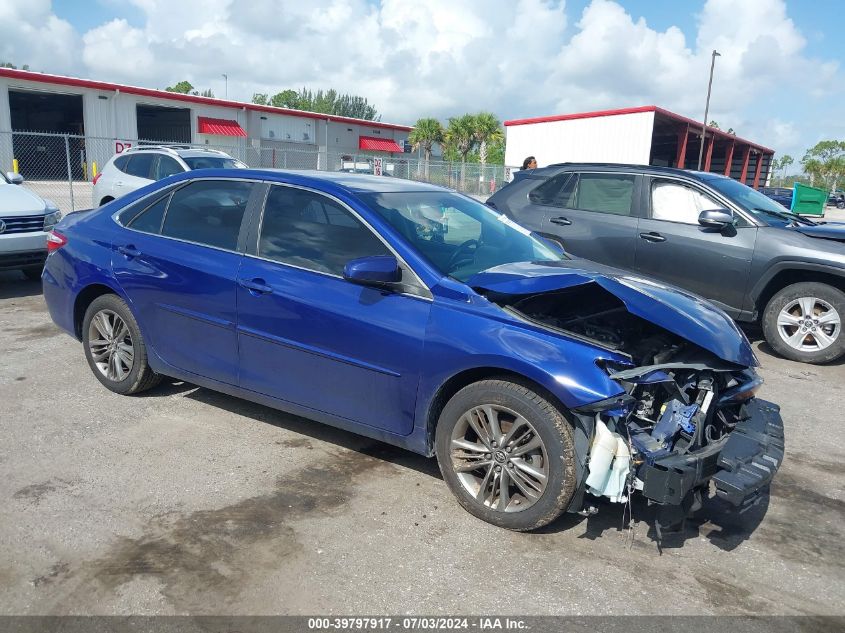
(93, 169)
(15, 165)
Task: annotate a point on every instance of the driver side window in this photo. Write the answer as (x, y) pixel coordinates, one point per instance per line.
(309, 230)
(678, 202)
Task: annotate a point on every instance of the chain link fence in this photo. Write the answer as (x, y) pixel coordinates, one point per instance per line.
(61, 167)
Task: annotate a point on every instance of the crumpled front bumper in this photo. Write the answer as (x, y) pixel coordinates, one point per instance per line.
(740, 465)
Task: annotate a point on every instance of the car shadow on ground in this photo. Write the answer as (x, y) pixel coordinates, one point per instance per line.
(303, 426)
(716, 521)
(14, 285)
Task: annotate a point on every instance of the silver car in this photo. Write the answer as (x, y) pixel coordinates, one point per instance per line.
(137, 167)
(25, 219)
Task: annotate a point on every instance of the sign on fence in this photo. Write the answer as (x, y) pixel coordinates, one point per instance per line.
(377, 166)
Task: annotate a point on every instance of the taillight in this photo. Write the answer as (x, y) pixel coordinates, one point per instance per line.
(96, 178)
(55, 241)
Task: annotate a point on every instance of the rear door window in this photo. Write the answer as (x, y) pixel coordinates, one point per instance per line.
(121, 162)
(149, 220)
(141, 166)
(605, 193)
(208, 212)
(555, 192)
(167, 167)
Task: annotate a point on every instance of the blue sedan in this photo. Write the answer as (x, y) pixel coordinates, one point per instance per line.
(415, 315)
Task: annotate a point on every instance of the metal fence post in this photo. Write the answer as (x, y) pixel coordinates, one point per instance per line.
(69, 172)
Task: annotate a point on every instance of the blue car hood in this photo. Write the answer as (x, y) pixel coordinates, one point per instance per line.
(673, 309)
(828, 230)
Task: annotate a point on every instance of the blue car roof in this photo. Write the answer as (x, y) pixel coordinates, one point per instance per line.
(324, 180)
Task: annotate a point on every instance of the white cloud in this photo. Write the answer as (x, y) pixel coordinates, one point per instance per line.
(31, 34)
(445, 57)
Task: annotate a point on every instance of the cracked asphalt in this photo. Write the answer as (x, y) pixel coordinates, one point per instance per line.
(185, 501)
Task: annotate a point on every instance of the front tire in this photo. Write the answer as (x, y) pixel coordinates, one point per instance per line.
(114, 347)
(803, 322)
(507, 454)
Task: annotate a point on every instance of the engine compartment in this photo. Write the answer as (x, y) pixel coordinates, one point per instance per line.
(592, 313)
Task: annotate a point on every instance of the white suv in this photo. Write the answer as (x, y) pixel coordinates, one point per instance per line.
(139, 166)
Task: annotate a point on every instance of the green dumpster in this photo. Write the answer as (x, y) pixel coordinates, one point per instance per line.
(808, 200)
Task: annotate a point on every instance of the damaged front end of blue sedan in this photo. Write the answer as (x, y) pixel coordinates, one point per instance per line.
(685, 422)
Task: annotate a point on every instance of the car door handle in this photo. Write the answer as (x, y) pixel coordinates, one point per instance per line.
(129, 251)
(652, 237)
(255, 286)
(562, 221)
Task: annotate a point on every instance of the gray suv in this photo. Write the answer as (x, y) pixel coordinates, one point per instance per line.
(700, 231)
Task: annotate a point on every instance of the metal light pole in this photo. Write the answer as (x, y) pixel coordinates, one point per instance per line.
(226, 88)
(707, 108)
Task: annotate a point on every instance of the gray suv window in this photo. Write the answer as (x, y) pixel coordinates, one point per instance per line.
(605, 193)
(121, 162)
(678, 202)
(555, 192)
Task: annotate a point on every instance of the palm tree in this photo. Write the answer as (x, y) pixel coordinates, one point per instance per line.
(488, 130)
(425, 134)
(461, 136)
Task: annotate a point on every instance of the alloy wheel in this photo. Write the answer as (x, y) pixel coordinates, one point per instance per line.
(809, 324)
(499, 458)
(110, 344)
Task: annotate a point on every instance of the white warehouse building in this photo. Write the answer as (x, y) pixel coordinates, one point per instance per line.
(105, 118)
(646, 135)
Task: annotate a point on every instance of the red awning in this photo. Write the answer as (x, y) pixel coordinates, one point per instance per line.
(223, 127)
(374, 144)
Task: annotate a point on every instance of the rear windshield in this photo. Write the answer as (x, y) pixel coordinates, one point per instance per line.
(213, 162)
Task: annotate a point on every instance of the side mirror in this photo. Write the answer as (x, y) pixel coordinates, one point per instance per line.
(378, 270)
(15, 179)
(716, 218)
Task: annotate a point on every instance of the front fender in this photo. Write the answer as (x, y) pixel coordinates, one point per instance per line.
(460, 340)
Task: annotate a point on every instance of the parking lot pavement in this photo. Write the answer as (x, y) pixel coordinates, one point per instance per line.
(187, 501)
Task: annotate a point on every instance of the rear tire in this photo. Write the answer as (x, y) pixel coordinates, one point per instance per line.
(517, 472)
(33, 273)
(114, 347)
(803, 322)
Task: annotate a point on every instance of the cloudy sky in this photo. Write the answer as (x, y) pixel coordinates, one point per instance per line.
(780, 80)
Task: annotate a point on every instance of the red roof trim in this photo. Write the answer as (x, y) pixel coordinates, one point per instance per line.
(223, 127)
(649, 108)
(579, 115)
(26, 75)
(376, 144)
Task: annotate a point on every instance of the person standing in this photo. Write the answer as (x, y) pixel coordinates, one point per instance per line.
(529, 163)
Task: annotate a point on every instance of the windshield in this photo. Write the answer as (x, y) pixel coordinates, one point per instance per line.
(458, 235)
(213, 162)
(756, 203)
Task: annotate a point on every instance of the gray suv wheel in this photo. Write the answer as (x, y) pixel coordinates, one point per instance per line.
(804, 322)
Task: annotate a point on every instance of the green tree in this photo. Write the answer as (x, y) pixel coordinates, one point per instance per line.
(425, 134)
(324, 102)
(779, 164)
(207, 93)
(183, 87)
(260, 98)
(12, 66)
(460, 137)
(487, 129)
(714, 124)
(825, 161)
